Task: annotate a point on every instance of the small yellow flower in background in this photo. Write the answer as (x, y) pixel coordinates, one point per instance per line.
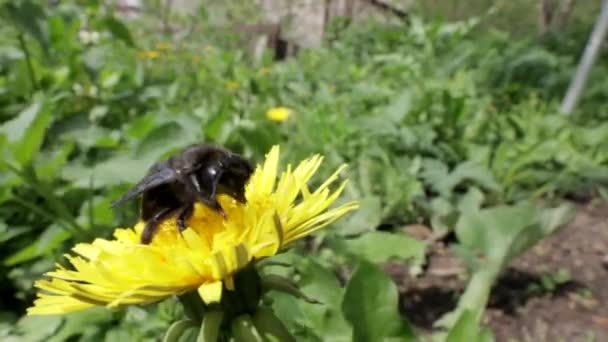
(148, 54)
(264, 71)
(205, 256)
(232, 85)
(162, 46)
(278, 114)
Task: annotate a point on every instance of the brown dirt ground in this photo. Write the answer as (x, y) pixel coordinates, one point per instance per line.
(529, 302)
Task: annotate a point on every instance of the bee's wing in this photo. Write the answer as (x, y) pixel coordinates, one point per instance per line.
(159, 174)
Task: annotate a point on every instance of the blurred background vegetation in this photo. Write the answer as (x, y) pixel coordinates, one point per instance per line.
(446, 112)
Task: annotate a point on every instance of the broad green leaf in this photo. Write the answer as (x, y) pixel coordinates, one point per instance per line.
(140, 126)
(163, 139)
(442, 212)
(79, 322)
(50, 163)
(119, 30)
(370, 305)
(114, 171)
(7, 233)
(38, 328)
(319, 283)
(497, 235)
(28, 15)
(381, 247)
(325, 319)
(366, 219)
(444, 182)
(49, 240)
(102, 212)
(501, 233)
(399, 107)
(26, 132)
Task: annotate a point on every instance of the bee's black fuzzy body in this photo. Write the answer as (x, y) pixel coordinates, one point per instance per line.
(197, 174)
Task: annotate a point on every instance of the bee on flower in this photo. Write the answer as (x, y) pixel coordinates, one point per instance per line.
(212, 261)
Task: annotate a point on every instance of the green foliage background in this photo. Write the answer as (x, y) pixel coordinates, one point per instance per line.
(441, 122)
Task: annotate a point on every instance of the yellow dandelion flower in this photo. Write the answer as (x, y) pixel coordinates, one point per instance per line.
(232, 85)
(147, 54)
(206, 255)
(278, 114)
(162, 46)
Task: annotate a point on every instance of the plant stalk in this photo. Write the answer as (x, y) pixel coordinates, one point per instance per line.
(28, 60)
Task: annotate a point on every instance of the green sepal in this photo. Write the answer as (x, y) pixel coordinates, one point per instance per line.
(243, 330)
(210, 328)
(285, 285)
(177, 329)
(270, 326)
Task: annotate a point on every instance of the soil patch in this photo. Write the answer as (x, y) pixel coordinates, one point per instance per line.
(556, 291)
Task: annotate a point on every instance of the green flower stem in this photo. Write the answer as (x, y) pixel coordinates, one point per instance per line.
(243, 330)
(475, 297)
(238, 313)
(210, 328)
(177, 329)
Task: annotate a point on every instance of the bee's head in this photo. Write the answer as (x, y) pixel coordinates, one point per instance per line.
(236, 171)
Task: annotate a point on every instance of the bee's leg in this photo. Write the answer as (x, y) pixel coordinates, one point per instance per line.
(183, 216)
(215, 205)
(152, 224)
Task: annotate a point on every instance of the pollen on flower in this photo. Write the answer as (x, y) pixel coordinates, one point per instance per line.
(205, 257)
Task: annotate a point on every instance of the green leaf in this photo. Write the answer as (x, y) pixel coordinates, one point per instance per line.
(366, 219)
(503, 232)
(50, 163)
(399, 107)
(80, 323)
(114, 171)
(26, 132)
(381, 247)
(370, 305)
(28, 15)
(102, 212)
(38, 328)
(466, 329)
(324, 320)
(164, 139)
(7, 233)
(119, 30)
(444, 182)
(319, 283)
(49, 240)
